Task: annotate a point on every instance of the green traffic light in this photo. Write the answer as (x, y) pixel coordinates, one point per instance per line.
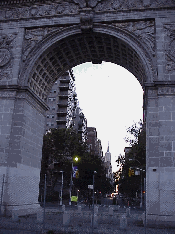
(76, 158)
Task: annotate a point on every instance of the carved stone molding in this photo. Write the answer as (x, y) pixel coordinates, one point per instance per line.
(33, 36)
(143, 30)
(6, 63)
(7, 94)
(61, 7)
(152, 92)
(5, 75)
(42, 10)
(166, 90)
(5, 57)
(170, 46)
(87, 3)
(132, 4)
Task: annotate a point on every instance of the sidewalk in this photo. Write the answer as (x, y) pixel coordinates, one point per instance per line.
(80, 223)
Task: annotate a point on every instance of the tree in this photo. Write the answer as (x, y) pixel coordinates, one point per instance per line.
(61, 145)
(129, 184)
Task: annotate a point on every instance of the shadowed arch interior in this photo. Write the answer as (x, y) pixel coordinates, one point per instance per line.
(81, 48)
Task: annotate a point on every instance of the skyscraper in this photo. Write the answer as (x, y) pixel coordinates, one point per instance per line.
(107, 163)
(64, 109)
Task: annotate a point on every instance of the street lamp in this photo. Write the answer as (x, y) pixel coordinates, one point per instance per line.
(71, 181)
(93, 200)
(61, 199)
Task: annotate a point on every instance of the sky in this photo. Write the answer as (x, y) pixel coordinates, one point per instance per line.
(111, 99)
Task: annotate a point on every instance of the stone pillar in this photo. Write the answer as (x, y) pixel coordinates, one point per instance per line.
(22, 125)
(152, 150)
(160, 129)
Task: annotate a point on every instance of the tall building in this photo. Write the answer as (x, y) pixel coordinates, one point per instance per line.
(99, 148)
(61, 102)
(64, 109)
(107, 164)
(91, 139)
(94, 144)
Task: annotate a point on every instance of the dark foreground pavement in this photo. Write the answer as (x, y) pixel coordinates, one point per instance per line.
(79, 223)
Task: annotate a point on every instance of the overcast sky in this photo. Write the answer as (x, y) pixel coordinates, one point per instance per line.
(111, 99)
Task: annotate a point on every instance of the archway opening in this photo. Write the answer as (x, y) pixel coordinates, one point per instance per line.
(80, 48)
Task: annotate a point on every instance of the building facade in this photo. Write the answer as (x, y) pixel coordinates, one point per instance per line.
(64, 109)
(62, 102)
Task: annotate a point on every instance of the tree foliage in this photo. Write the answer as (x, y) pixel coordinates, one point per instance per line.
(61, 145)
(136, 158)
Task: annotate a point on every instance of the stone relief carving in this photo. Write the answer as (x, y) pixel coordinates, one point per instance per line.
(144, 30)
(152, 92)
(58, 7)
(162, 3)
(166, 90)
(87, 3)
(118, 5)
(170, 47)
(132, 4)
(32, 36)
(63, 7)
(7, 94)
(5, 55)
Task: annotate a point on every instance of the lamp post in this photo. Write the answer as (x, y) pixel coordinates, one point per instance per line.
(61, 198)
(71, 184)
(93, 201)
(71, 181)
(141, 188)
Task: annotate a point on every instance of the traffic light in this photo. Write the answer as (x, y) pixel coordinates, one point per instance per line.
(131, 172)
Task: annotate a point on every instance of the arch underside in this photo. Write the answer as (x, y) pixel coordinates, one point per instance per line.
(80, 48)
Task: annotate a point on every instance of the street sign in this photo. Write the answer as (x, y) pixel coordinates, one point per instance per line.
(137, 172)
(75, 172)
(90, 186)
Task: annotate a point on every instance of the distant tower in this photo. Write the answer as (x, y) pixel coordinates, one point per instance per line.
(108, 155)
(107, 163)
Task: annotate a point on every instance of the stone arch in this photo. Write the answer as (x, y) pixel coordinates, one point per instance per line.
(126, 50)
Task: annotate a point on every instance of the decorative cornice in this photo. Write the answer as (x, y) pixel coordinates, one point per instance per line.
(160, 88)
(25, 9)
(16, 91)
(159, 83)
